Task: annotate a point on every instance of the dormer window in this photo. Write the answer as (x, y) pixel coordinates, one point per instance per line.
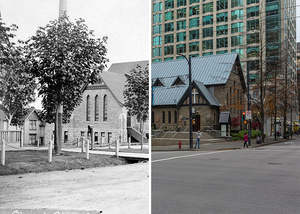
(157, 83)
(178, 82)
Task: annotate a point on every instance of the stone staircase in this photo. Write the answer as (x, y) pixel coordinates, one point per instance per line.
(136, 134)
(172, 138)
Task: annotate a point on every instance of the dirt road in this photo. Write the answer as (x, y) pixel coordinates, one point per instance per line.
(112, 190)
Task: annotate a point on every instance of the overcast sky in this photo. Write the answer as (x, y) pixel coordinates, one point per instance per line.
(125, 22)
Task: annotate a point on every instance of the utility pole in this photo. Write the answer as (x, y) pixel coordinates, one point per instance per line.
(190, 98)
(59, 115)
(248, 95)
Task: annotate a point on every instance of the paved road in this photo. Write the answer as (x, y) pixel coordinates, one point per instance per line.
(258, 180)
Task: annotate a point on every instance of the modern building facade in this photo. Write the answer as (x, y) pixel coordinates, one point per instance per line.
(261, 31)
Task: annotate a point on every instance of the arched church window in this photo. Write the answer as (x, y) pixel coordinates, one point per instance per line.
(169, 117)
(96, 108)
(105, 108)
(175, 117)
(163, 117)
(152, 117)
(88, 108)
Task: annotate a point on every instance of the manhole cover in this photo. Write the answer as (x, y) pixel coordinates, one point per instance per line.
(214, 158)
(275, 163)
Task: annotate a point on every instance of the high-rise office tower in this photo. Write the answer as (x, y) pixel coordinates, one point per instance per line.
(256, 29)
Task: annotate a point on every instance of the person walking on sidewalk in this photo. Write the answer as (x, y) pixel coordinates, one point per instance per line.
(245, 139)
(198, 136)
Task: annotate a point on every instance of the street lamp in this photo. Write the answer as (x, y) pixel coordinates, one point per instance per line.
(190, 98)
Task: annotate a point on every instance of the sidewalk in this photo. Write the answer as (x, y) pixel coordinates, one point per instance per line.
(226, 145)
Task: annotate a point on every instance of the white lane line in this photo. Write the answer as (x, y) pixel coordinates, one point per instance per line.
(184, 156)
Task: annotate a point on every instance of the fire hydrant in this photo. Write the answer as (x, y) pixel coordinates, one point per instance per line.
(179, 144)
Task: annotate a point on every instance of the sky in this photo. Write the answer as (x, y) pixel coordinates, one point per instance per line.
(125, 22)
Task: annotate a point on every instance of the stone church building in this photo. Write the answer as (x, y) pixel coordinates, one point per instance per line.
(218, 88)
(103, 109)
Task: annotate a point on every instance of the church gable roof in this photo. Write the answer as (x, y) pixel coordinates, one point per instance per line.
(210, 70)
(126, 67)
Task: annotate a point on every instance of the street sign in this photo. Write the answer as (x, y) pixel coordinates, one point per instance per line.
(248, 115)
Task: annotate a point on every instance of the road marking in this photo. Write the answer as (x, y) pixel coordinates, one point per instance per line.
(184, 156)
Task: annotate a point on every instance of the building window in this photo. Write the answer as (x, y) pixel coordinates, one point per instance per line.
(253, 65)
(253, 51)
(163, 117)
(222, 52)
(194, 1)
(169, 27)
(156, 40)
(252, 24)
(237, 27)
(194, 10)
(240, 51)
(157, 7)
(32, 125)
(181, 25)
(207, 45)
(207, 8)
(169, 15)
(208, 20)
(156, 52)
(181, 3)
(236, 3)
(221, 5)
(169, 4)
(208, 54)
(32, 139)
(156, 29)
(252, 1)
(96, 108)
(236, 14)
(169, 38)
(207, 32)
(157, 18)
(181, 48)
(253, 11)
(88, 109)
(175, 117)
(222, 17)
(168, 59)
(236, 40)
(222, 42)
(194, 34)
(181, 37)
(156, 60)
(272, 22)
(194, 22)
(168, 50)
(222, 30)
(105, 108)
(181, 13)
(272, 9)
(194, 55)
(169, 117)
(252, 38)
(194, 46)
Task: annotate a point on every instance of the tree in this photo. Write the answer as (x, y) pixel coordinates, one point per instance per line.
(17, 88)
(136, 95)
(235, 121)
(65, 57)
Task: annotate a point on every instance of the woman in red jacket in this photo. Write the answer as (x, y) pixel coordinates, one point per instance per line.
(245, 139)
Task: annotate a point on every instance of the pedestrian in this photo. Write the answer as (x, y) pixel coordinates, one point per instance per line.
(245, 139)
(198, 136)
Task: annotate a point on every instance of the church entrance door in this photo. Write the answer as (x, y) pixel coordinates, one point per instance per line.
(196, 125)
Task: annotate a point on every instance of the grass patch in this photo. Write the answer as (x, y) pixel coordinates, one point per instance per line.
(35, 161)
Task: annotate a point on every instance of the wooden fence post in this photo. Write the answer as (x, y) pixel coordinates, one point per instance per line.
(117, 147)
(129, 141)
(3, 153)
(82, 145)
(87, 149)
(50, 151)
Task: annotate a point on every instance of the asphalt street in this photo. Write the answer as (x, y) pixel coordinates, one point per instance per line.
(258, 180)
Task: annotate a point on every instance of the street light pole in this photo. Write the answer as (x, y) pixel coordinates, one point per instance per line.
(190, 98)
(248, 89)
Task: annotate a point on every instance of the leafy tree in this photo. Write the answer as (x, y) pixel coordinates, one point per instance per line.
(136, 95)
(235, 121)
(65, 57)
(16, 86)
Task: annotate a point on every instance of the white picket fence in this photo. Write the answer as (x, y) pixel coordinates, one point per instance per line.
(12, 137)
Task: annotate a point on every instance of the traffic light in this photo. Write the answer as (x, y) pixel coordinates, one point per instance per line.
(243, 117)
